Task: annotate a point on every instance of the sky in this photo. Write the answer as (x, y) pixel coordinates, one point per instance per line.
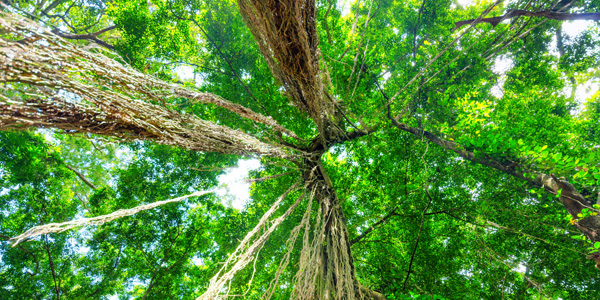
(233, 190)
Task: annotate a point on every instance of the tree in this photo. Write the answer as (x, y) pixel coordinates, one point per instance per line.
(400, 160)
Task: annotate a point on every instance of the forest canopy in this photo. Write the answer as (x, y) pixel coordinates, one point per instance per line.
(418, 149)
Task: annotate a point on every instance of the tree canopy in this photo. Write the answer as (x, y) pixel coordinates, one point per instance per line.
(409, 149)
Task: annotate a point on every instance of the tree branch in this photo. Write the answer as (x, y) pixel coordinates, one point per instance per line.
(91, 37)
(101, 31)
(56, 284)
(417, 28)
(412, 256)
(37, 263)
(91, 185)
(327, 25)
(595, 16)
(52, 6)
(570, 198)
(373, 227)
(511, 230)
(468, 155)
(267, 177)
(228, 62)
(435, 58)
(110, 271)
(374, 295)
(390, 214)
(115, 98)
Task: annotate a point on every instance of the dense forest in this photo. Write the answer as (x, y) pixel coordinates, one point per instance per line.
(416, 149)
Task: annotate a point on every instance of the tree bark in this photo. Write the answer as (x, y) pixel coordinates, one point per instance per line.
(286, 34)
(331, 267)
(59, 85)
(52, 6)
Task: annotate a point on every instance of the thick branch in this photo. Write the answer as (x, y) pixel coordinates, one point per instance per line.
(65, 87)
(286, 34)
(543, 14)
(468, 155)
(317, 144)
(371, 294)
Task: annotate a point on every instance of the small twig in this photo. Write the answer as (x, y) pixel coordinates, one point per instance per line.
(430, 62)
(327, 25)
(267, 177)
(91, 37)
(426, 188)
(208, 169)
(417, 28)
(91, 185)
(412, 256)
(54, 277)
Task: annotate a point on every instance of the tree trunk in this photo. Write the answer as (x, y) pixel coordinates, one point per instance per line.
(326, 266)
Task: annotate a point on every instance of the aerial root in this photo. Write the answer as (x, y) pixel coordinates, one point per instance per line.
(305, 223)
(95, 221)
(248, 249)
(325, 269)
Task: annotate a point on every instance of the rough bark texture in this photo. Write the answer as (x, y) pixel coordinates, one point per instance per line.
(286, 33)
(326, 266)
(55, 84)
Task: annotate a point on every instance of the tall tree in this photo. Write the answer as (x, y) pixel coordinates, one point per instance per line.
(395, 158)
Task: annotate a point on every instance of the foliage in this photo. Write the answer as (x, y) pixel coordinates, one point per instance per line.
(424, 222)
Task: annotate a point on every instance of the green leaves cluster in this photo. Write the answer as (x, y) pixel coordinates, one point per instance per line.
(484, 234)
